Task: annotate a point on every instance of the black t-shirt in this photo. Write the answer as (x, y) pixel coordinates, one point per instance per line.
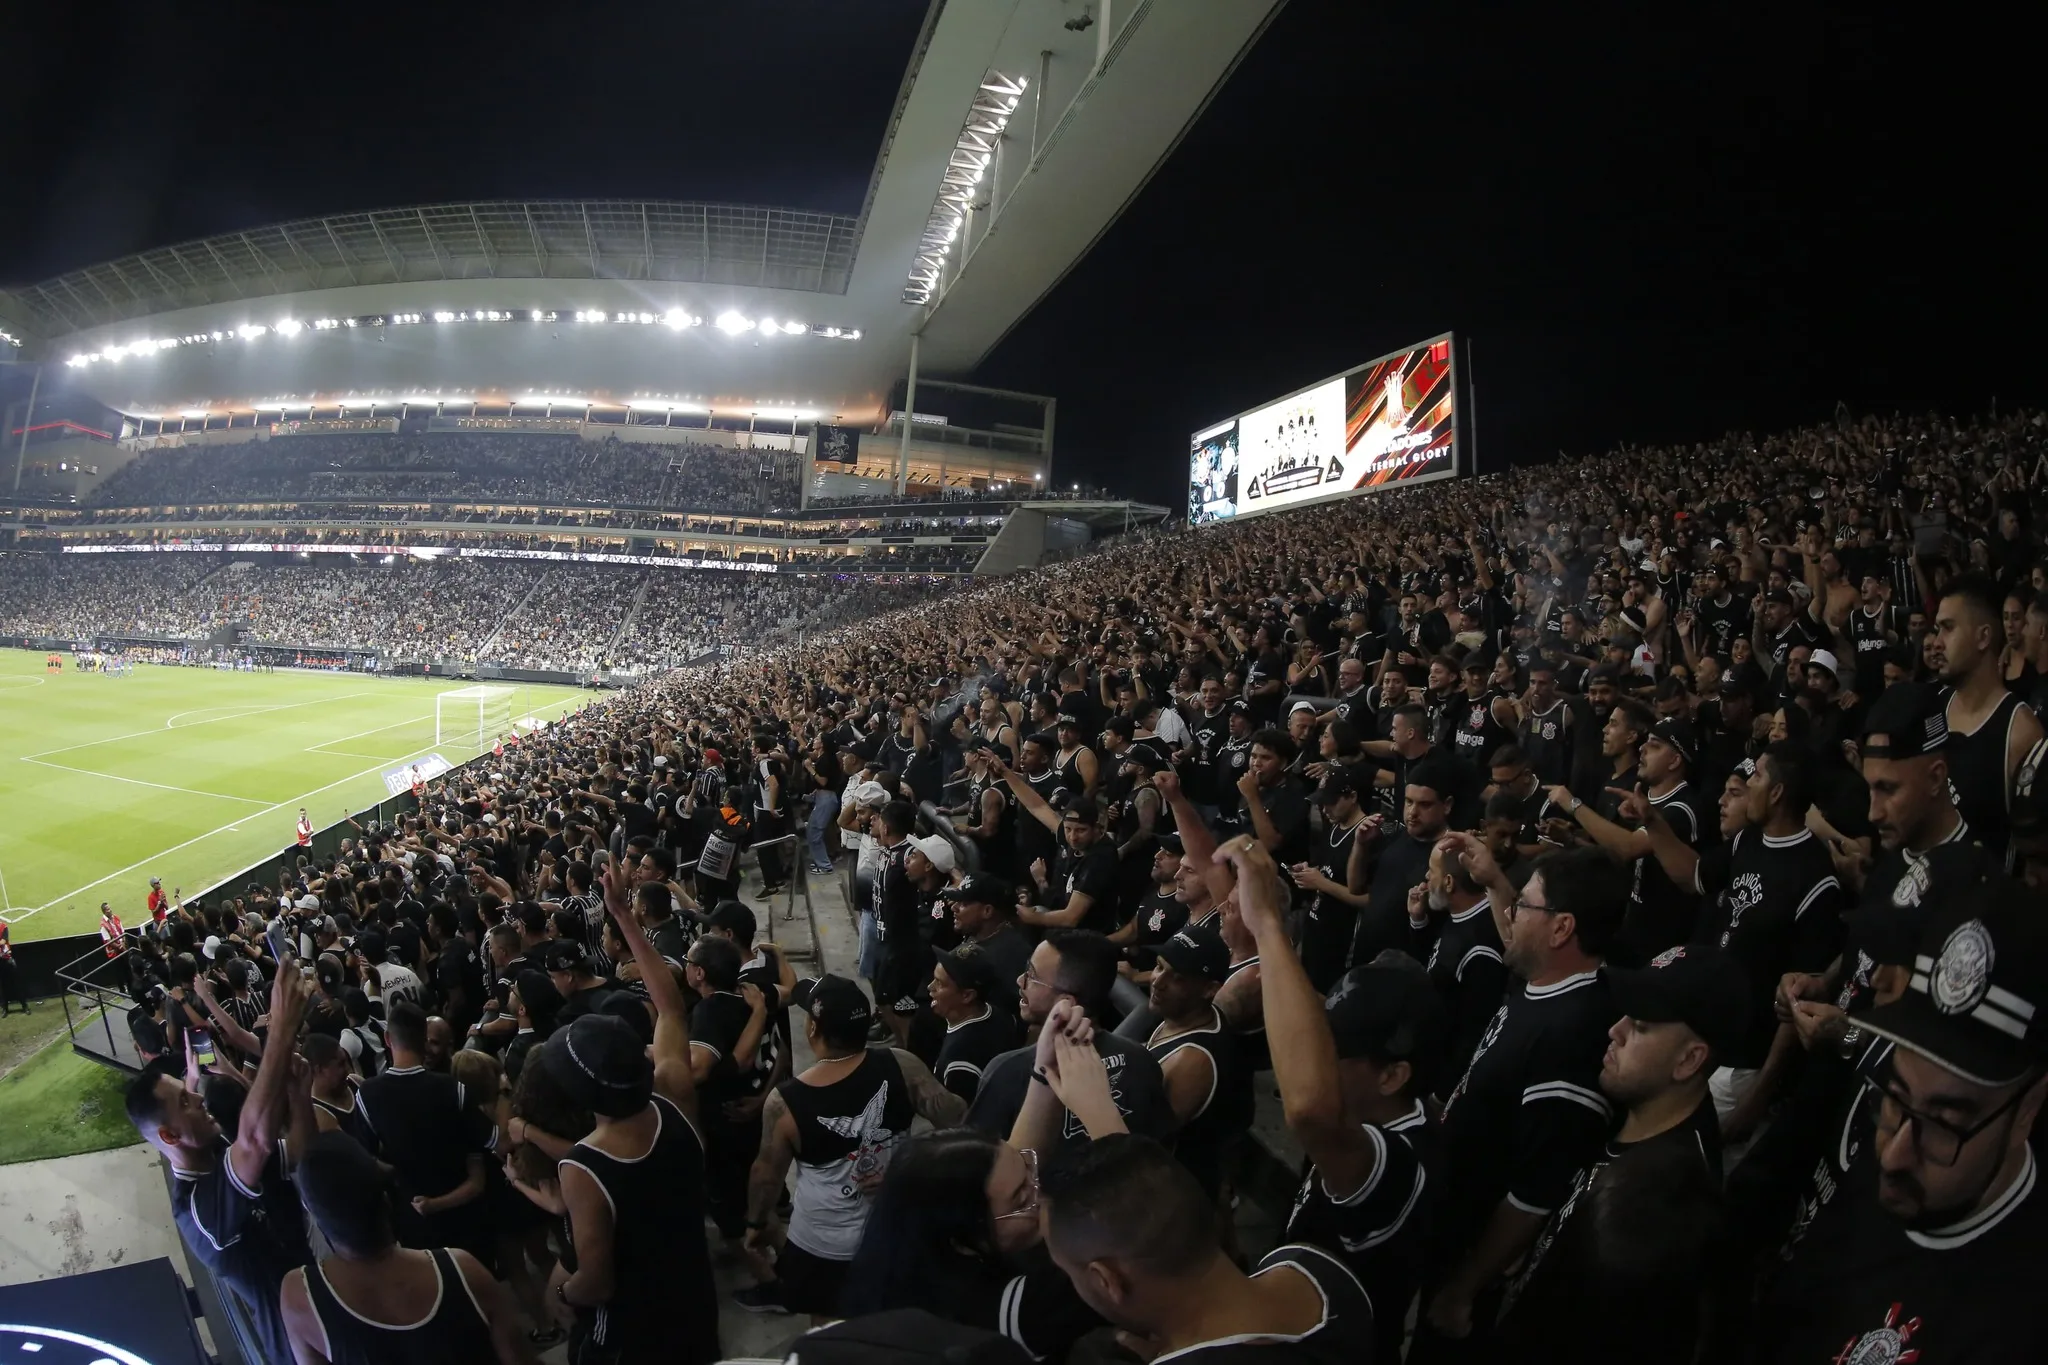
(1529, 1113)
(1775, 903)
(1134, 1078)
(1160, 916)
(1378, 1228)
(1660, 912)
(1463, 959)
(1559, 1286)
(1383, 924)
(968, 1048)
(424, 1128)
(1345, 1335)
(1092, 873)
(716, 1024)
(249, 1238)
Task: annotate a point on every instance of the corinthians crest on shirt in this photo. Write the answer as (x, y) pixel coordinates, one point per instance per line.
(1888, 1344)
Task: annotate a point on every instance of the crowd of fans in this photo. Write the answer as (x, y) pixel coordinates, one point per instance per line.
(569, 617)
(447, 467)
(1628, 872)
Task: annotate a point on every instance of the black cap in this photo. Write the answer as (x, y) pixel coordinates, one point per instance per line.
(1678, 734)
(1703, 988)
(1780, 597)
(1388, 1012)
(1239, 707)
(1733, 684)
(1338, 781)
(602, 1062)
(1910, 718)
(563, 955)
(974, 970)
(1171, 842)
(979, 888)
(1066, 722)
(1082, 808)
(1197, 950)
(840, 1007)
(1976, 1002)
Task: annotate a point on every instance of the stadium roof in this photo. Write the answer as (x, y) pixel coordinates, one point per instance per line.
(765, 248)
(1021, 130)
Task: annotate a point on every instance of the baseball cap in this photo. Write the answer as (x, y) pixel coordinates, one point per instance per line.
(1821, 658)
(1197, 951)
(973, 970)
(602, 1062)
(1339, 781)
(562, 955)
(1171, 842)
(1066, 722)
(1705, 989)
(978, 888)
(1238, 707)
(1307, 706)
(1084, 809)
(936, 851)
(871, 794)
(1387, 1011)
(1678, 735)
(1976, 1002)
(1779, 596)
(713, 756)
(1907, 720)
(840, 1007)
(212, 945)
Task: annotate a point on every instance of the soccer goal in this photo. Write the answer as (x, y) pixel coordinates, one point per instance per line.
(473, 717)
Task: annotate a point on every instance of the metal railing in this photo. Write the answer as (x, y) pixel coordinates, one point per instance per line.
(94, 1001)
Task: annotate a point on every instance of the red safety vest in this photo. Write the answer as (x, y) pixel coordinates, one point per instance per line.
(110, 931)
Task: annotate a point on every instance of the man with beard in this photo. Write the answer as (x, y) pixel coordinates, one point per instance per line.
(1628, 725)
(1208, 1075)
(1571, 1301)
(1927, 1243)
(1990, 730)
(1592, 767)
(1404, 858)
(1452, 931)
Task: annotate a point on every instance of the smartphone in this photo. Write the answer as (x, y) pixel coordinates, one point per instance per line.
(202, 1047)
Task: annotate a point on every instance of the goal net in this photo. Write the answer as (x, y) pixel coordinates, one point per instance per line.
(473, 717)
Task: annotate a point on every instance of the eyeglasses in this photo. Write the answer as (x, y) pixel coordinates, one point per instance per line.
(1517, 906)
(1028, 1209)
(1031, 978)
(1938, 1141)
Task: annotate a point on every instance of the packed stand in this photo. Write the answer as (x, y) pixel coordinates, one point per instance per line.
(1627, 873)
(444, 467)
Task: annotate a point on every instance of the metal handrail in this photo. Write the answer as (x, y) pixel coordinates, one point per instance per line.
(107, 1000)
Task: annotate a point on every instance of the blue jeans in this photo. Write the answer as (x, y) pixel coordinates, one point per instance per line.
(824, 811)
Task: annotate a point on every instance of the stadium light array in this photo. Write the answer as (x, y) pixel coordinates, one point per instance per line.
(968, 164)
(731, 322)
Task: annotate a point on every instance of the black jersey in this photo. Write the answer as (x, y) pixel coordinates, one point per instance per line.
(1356, 707)
(1462, 953)
(845, 1133)
(249, 1238)
(455, 1333)
(1775, 903)
(970, 1045)
(1660, 912)
(1232, 761)
(1528, 1114)
(1378, 1228)
(1871, 634)
(1252, 1032)
(1546, 739)
(1860, 1286)
(1978, 777)
(1159, 916)
(1134, 1079)
(1206, 1143)
(1475, 732)
(426, 1128)
(664, 1303)
(1092, 873)
(1562, 1282)
(1209, 729)
(1343, 1337)
(1721, 622)
(1034, 840)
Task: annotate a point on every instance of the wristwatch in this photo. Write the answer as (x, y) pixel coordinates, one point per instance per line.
(1575, 806)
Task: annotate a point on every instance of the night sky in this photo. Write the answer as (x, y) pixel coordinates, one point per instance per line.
(1647, 232)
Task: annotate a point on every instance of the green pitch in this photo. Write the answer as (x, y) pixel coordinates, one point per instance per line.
(189, 774)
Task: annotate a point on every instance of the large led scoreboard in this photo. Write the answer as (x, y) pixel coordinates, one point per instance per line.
(1389, 422)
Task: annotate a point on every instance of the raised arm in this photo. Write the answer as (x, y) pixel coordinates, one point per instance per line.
(672, 1075)
(263, 1112)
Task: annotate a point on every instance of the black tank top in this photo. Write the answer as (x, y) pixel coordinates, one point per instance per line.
(1546, 742)
(1205, 1141)
(1034, 840)
(1253, 1035)
(455, 1333)
(664, 1304)
(1977, 774)
(845, 1133)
